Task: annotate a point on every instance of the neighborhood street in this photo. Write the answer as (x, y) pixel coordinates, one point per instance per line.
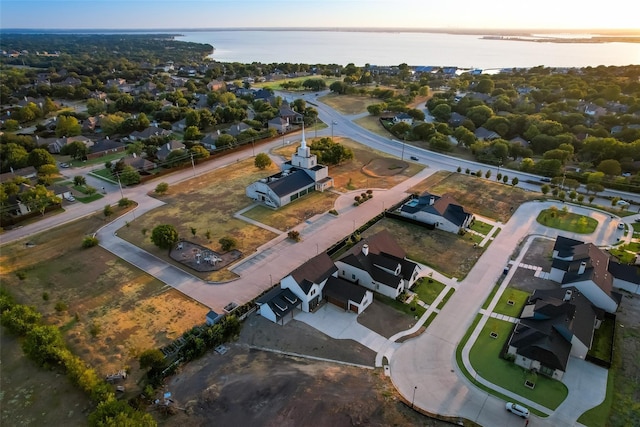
(423, 369)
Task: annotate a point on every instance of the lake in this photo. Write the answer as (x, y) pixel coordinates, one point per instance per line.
(393, 48)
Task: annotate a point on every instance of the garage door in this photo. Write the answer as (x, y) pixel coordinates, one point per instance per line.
(337, 302)
(355, 308)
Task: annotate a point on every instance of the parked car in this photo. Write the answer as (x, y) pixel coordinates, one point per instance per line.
(414, 158)
(622, 203)
(519, 410)
(64, 165)
(70, 198)
(621, 226)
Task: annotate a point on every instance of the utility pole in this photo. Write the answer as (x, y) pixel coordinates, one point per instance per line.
(193, 166)
(120, 185)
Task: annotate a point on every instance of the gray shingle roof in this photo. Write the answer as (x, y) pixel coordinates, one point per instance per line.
(295, 180)
(316, 270)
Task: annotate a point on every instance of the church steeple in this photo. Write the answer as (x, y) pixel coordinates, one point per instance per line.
(304, 142)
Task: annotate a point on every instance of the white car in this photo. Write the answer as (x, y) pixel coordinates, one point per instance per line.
(70, 198)
(519, 410)
(622, 203)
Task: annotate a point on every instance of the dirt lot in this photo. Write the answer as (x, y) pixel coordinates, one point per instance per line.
(349, 104)
(252, 387)
(478, 195)
(385, 320)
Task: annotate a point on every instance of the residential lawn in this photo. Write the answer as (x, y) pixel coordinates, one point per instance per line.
(481, 227)
(603, 340)
(519, 299)
(491, 296)
(449, 253)
(478, 195)
(294, 213)
(411, 309)
(349, 104)
(368, 169)
(623, 254)
(103, 173)
(114, 310)
(446, 298)
(98, 160)
(428, 289)
(485, 359)
(205, 203)
(91, 198)
(476, 239)
(567, 221)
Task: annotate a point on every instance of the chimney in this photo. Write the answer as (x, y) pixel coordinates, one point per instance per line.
(365, 249)
(567, 295)
(583, 266)
(432, 200)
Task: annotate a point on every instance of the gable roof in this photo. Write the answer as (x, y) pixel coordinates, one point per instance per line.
(596, 264)
(284, 184)
(484, 133)
(628, 273)
(565, 245)
(281, 301)
(445, 206)
(343, 290)
(316, 270)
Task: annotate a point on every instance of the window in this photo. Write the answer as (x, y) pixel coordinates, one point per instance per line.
(353, 276)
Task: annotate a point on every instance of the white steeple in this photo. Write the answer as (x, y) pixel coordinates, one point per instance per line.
(304, 142)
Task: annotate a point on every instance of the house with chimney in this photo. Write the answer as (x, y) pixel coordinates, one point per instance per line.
(308, 280)
(379, 264)
(165, 149)
(585, 267)
(443, 212)
(297, 178)
(554, 325)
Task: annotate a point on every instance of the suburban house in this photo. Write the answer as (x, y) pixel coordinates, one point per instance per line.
(280, 124)
(442, 212)
(27, 173)
(165, 149)
(625, 276)
(585, 267)
(56, 146)
(277, 303)
(456, 119)
(292, 116)
(139, 163)
(298, 177)
(214, 85)
(308, 280)
(378, 263)
(104, 147)
(403, 118)
(554, 325)
(148, 133)
(484, 134)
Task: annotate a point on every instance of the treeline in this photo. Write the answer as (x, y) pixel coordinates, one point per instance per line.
(45, 346)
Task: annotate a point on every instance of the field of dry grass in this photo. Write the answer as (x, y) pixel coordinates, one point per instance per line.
(368, 169)
(108, 310)
(349, 104)
(449, 253)
(207, 204)
(478, 195)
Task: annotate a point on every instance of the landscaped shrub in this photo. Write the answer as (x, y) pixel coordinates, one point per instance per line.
(61, 306)
(124, 202)
(333, 212)
(90, 241)
(227, 243)
(294, 235)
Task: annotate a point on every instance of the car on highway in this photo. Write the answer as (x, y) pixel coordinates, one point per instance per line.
(622, 203)
(519, 410)
(545, 179)
(414, 158)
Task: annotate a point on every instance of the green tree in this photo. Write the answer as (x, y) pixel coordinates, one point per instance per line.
(487, 174)
(192, 133)
(227, 243)
(545, 189)
(95, 107)
(76, 149)
(47, 170)
(136, 148)
(118, 413)
(162, 188)
(107, 211)
(515, 181)
(11, 125)
(20, 319)
(262, 161)
(79, 180)
(38, 198)
(441, 112)
(39, 157)
(610, 167)
(479, 114)
(164, 236)
(199, 152)
(43, 344)
(152, 359)
(485, 85)
(129, 175)
(225, 140)
(68, 126)
(401, 129)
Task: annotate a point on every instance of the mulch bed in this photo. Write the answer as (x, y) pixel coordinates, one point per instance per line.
(201, 258)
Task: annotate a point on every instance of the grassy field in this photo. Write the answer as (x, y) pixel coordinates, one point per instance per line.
(567, 221)
(450, 254)
(294, 213)
(519, 299)
(108, 310)
(603, 340)
(478, 195)
(484, 357)
(277, 85)
(368, 169)
(481, 227)
(349, 104)
(372, 123)
(207, 204)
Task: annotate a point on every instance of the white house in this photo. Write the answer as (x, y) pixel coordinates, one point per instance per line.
(276, 304)
(443, 212)
(585, 267)
(307, 281)
(403, 118)
(298, 177)
(554, 325)
(378, 263)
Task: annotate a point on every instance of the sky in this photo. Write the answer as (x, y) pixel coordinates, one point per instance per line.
(441, 14)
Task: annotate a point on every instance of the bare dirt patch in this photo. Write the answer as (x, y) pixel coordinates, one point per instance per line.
(252, 387)
(384, 167)
(385, 320)
(478, 195)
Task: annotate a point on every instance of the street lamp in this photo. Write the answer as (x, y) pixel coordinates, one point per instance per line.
(414, 395)
(120, 185)
(333, 123)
